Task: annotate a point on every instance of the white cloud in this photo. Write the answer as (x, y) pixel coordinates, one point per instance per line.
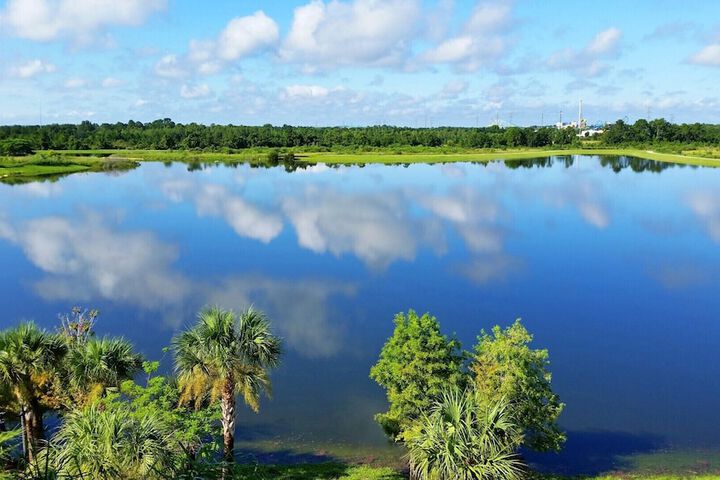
(31, 68)
(242, 37)
(454, 88)
(299, 309)
(170, 66)
(482, 39)
(360, 32)
(588, 61)
(604, 42)
(79, 20)
(215, 200)
(74, 82)
(375, 228)
(305, 91)
(710, 56)
(247, 35)
(706, 207)
(585, 196)
(85, 259)
(194, 91)
(111, 82)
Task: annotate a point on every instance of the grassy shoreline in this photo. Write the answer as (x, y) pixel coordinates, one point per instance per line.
(44, 165)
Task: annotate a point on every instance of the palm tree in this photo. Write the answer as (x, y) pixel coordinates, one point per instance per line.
(461, 439)
(29, 357)
(106, 444)
(224, 355)
(96, 364)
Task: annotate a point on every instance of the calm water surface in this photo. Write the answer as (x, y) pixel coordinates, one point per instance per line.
(616, 273)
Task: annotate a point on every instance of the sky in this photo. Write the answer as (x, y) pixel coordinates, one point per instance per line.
(358, 62)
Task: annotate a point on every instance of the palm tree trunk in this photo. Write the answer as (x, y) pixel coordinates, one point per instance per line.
(227, 407)
(34, 429)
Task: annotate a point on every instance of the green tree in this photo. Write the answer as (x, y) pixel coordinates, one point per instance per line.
(29, 358)
(114, 443)
(224, 355)
(15, 147)
(463, 439)
(93, 365)
(193, 428)
(505, 367)
(416, 364)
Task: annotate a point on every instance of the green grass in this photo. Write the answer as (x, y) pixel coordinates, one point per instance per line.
(50, 165)
(53, 164)
(338, 471)
(324, 471)
(395, 156)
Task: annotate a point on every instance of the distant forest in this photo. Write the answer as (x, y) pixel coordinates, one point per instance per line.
(168, 135)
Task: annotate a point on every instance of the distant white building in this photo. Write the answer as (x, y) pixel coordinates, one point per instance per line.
(590, 132)
(580, 124)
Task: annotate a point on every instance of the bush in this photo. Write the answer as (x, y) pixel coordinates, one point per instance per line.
(15, 147)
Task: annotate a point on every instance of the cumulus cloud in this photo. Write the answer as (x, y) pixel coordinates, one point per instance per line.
(305, 91)
(360, 32)
(483, 39)
(706, 207)
(74, 82)
(242, 37)
(194, 91)
(170, 66)
(31, 68)
(246, 35)
(454, 88)
(111, 82)
(585, 196)
(709, 56)
(300, 310)
(604, 42)
(87, 259)
(589, 61)
(375, 228)
(215, 200)
(78, 20)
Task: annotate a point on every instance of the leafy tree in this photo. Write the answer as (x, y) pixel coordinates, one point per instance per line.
(224, 355)
(114, 443)
(505, 367)
(193, 428)
(461, 438)
(416, 365)
(15, 147)
(93, 365)
(29, 358)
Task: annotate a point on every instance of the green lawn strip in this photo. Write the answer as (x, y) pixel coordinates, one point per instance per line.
(66, 162)
(323, 471)
(38, 166)
(40, 170)
(390, 156)
(390, 455)
(339, 471)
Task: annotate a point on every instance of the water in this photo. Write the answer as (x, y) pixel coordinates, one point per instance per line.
(615, 273)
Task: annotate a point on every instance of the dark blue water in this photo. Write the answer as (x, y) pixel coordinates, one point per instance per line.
(616, 273)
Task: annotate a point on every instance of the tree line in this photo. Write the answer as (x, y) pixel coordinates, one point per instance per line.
(167, 135)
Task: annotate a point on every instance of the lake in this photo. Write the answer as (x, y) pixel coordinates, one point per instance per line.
(613, 264)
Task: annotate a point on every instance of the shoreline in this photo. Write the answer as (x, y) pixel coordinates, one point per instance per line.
(52, 164)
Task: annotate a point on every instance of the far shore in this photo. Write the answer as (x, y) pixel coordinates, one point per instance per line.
(47, 164)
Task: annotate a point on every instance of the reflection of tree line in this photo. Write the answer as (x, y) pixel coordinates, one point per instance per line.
(615, 162)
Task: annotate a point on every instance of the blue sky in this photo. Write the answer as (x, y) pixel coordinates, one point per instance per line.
(358, 62)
